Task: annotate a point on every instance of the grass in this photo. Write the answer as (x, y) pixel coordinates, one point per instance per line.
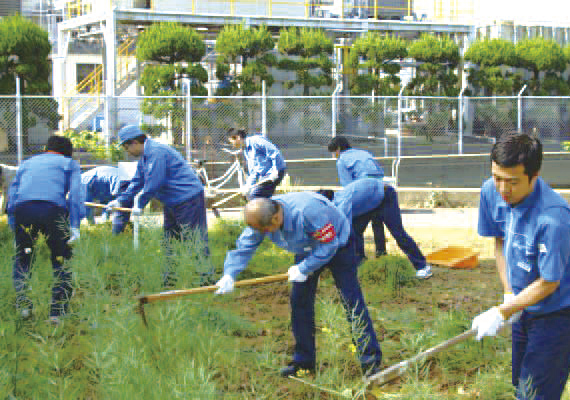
(232, 346)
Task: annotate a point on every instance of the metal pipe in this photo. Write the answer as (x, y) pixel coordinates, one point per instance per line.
(519, 109)
(460, 122)
(19, 132)
(263, 109)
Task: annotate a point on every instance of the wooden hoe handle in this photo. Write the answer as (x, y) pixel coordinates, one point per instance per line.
(399, 369)
(97, 205)
(172, 294)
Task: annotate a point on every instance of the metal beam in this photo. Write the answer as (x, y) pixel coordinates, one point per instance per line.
(141, 16)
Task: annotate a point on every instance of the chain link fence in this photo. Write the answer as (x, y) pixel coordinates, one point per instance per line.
(301, 127)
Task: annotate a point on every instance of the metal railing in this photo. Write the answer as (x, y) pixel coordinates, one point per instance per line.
(392, 128)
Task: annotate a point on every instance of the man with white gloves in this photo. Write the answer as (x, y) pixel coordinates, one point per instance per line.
(319, 235)
(46, 196)
(531, 227)
(265, 164)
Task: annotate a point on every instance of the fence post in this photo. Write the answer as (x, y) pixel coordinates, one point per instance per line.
(333, 123)
(519, 109)
(263, 110)
(107, 111)
(400, 121)
(188, 122)
(460, 123)
(19, 120)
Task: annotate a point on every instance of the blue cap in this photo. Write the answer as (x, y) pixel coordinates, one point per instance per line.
(129, 132)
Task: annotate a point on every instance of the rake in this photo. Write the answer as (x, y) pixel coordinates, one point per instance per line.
(173, 294)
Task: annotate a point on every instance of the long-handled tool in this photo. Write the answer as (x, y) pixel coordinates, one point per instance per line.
(136, 220)
(399, 369)
(172, 294)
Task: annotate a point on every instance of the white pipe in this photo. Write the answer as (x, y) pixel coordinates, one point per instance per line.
(263, 110)
(19, 132)
(519, 109)
(188, 122)
(460, 122)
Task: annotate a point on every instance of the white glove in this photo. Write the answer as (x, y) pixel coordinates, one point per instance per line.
(74, 235)
(272, 177)
(112, 204)
(488, 323)
(295, 275)
(135, 211)
(516, 316)
(226, 285)
(244, 190)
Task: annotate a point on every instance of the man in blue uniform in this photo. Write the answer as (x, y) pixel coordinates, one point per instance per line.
(353, 164)
(104, 184)
(319, 235)
(265, 164)
(531, 224)
(369, 199)
(163, 174)
(46, 197)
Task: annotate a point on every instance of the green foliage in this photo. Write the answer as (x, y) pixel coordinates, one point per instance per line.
(438, 57)
(389, 273)
(178, 49)
(170, 42)
(94, 144)
(492, 53)
(490, 76)
(236, 43)
(30, 43)
(565, 146)
(380, 54)
(310, 49)
(539, 54)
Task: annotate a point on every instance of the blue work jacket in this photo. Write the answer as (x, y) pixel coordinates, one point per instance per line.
(262, 157)
(536, 236)
(312, 227)
(49, 177)
(359, 197)
(162, 173)
(354, 164)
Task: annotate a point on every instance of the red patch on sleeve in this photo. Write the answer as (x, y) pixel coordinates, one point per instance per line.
(326, 234)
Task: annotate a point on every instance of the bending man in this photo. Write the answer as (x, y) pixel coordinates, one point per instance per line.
(163, 174)
(368, 199)
(265, 164)
(353, 164)
(46, 197)
(309, 226)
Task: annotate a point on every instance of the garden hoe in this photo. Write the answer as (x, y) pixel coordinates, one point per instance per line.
(172, 294)
(399, 369)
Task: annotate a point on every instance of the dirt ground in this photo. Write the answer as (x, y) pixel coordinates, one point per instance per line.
(468, 290)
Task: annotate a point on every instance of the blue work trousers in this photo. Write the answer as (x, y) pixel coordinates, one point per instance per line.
(31, 218)
(266, 189)
(344, 271)
(389, 212)
(185, 222)
(541, 355)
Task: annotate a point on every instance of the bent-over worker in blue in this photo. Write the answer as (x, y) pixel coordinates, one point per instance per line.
(46, 197)
(353, 164)
(319, 235)
(531, 225)
(368, 199)
(104, 184)
(163, 174)
(265, 164)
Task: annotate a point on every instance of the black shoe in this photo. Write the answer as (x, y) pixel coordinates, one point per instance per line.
(297, 369)
(380, 254)
(371, 369)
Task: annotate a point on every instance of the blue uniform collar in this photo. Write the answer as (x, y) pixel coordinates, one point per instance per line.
(287, 220)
